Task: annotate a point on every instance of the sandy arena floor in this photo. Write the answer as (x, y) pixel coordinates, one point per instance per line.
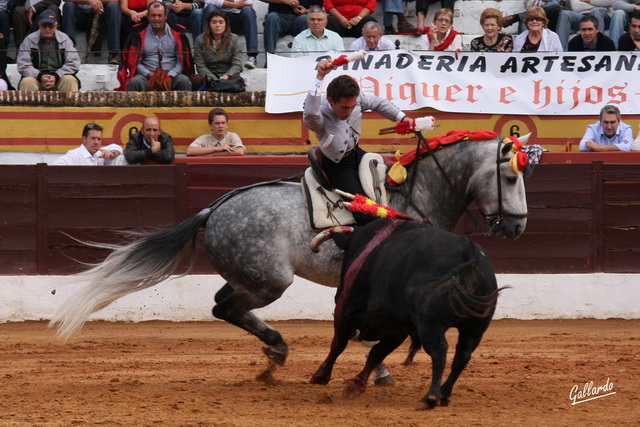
(203, 374)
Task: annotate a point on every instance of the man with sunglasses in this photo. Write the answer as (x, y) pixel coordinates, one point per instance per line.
(91, 152)
(47, 59)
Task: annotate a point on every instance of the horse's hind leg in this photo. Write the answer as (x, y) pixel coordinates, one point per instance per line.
(236, 308)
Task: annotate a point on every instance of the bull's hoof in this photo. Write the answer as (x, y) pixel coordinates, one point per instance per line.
(444, 401)
(353, 389)
(277, 353)
(429, 403)
(385, 381)
(319, 378)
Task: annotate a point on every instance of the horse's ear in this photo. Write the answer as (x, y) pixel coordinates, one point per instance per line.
(525, 138)
(506, 147)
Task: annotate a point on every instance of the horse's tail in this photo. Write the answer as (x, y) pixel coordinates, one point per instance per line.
(130, 268)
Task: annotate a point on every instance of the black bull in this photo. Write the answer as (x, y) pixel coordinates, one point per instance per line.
(402, 278)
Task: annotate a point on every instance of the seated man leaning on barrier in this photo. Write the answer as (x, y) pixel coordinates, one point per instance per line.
(608, 134)
(91, 152)
(157, 55)
(47, 59)
(150, 143)
(219, 142)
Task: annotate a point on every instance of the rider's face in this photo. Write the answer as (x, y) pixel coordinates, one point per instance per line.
(344, 107)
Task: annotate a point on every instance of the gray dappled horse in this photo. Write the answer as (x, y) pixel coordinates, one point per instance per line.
(257, 238)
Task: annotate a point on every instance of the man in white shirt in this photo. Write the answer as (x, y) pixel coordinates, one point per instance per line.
(316, 39)
(91, 152)
(372, 38)
(219, 142)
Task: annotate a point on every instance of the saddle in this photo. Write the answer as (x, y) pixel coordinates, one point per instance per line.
(323, 209)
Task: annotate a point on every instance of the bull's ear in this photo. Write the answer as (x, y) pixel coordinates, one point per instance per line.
(341, 240)
(506, 148)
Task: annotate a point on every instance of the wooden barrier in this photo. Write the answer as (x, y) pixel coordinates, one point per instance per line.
(584, 216)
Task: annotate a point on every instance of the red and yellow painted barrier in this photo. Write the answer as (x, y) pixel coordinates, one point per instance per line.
(58, 129)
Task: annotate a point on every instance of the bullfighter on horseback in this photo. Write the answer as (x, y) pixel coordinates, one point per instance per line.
(337, 123)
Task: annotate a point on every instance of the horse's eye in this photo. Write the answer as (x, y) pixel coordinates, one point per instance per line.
(512, 179)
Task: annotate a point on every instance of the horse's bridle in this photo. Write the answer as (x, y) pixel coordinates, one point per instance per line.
(493, 220)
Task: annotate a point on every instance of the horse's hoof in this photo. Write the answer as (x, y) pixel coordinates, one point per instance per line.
(384, 381)
(353, 388)
(277, 353)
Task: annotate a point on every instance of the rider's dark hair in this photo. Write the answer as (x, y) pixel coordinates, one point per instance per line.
(342, 87)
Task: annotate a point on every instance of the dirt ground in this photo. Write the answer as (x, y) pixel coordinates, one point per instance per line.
(203, 374)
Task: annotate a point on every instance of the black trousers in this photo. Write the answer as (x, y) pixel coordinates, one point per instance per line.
(344, 176)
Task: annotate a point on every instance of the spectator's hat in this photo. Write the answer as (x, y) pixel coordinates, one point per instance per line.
(48, 16)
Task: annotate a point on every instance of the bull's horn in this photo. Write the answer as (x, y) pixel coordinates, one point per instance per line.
(524, 138)
(325, 235)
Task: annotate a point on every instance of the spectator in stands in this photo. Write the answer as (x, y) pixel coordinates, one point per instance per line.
(537, 37)
(493, 40)
(590, 38)
(622, 11)
(150, 143)
(78, 14)
(5, 27)
(551, 8)
(372, 38)
(316, 38)
(285, 17)
(217, 51)
(243, 20)
(630, 41)
(133, 13)
(569, 21)
(162, 44)
(422, 7)
(47, 59)
(220, 142)
(347, 17)
(441, 36)
(608, 134)
(393, 8)
(24, 17)
(91, 152)
(188, 13)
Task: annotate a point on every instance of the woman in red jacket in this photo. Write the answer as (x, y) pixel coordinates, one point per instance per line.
(346, 17)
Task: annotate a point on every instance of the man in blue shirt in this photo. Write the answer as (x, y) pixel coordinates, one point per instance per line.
(609, 134)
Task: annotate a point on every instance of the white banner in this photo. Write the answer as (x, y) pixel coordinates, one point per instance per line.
(564, 83)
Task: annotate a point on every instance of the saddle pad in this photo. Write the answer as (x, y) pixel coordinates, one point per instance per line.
(322, 211)
(372, 172)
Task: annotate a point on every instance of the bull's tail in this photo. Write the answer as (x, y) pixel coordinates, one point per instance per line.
(478, 303)
(129, 268)
(464, 304)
